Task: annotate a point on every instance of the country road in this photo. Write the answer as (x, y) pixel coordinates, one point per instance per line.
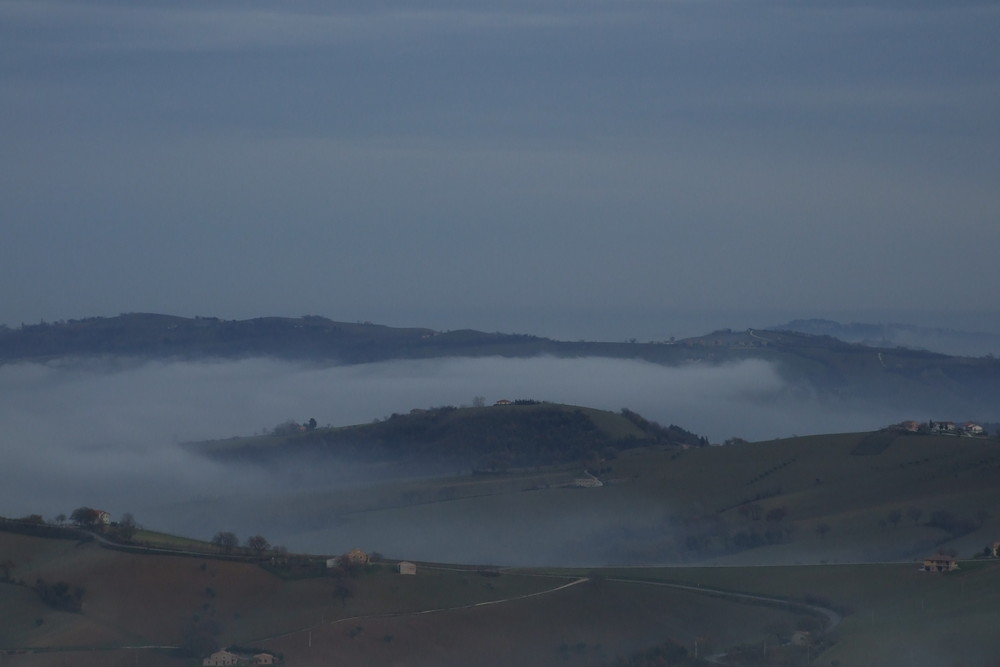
(422, 612)
(832, 617)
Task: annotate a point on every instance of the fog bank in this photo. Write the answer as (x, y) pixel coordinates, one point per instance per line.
(107, 435)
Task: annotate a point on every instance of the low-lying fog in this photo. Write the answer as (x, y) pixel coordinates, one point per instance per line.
(86, 433)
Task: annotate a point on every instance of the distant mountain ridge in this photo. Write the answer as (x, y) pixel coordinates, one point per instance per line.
(914, 379)
(944, 340)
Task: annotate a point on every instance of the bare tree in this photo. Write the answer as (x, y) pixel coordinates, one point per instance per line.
(85, 517)
(776, 514)
(226, 541)
(127, 527)
(258, 543)
(343, 590)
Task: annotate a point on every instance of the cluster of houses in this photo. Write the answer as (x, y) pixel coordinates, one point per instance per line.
(942, 427)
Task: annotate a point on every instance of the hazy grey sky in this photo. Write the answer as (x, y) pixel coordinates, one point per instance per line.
(568, 168)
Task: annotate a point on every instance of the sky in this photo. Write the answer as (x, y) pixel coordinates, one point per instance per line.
(570, 168)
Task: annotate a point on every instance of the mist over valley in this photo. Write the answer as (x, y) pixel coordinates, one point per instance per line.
(114, 431)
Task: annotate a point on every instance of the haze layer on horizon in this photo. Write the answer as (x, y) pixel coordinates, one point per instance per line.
(569, 169)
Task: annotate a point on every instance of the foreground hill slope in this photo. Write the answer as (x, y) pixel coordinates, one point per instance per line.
(189, 606)
(169, 611)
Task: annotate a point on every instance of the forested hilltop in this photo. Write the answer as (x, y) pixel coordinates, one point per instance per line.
(513, 434)
(822, 364)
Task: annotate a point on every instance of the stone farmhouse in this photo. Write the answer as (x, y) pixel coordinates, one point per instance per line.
(358, 557)
(940, 563)
(352, 557)
(224, 657)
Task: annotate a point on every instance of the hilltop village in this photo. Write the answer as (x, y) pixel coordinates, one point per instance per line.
(971, 429)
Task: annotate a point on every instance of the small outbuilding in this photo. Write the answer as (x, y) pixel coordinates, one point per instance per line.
(406, 567)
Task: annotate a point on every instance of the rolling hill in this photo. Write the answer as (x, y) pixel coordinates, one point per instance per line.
(516, 434)
(854, 497)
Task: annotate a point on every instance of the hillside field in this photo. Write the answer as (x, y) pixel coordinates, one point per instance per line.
(857, 497)
(884, 614)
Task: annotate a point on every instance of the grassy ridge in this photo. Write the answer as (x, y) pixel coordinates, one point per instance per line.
(485, 438)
